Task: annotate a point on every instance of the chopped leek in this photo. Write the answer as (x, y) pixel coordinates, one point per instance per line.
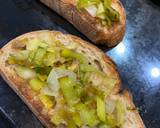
(111, 121)
(103, 125)
(11, 60)
(100, 9)
(120, 113)
(71, 54)
(34, 43)
(22, 55)
(36, 84)
(46, 100)
(38, 58)
(55, 74)
(88, 117)
(112, 14)
(18, 58)
(86, 3)
(31, 56)
(49, 58)
(77, 120)
(60, 72)
(42, 77)
(71, 124)
(101, 109)
(87, 68)
(56, 119)
(24, 72)
(107, 3)
(43, 70)
(67, 87)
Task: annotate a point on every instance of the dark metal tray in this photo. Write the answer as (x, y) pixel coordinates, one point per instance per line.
(137, 56)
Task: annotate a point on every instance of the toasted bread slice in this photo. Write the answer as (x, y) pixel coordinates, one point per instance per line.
(20, 86)
(88, 25)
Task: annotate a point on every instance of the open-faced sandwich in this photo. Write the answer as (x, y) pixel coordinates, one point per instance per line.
(102, 21)
(67, 82)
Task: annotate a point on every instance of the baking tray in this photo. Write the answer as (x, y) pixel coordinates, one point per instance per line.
(137, 56)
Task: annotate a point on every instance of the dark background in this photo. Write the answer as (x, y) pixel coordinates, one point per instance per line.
(137, 56)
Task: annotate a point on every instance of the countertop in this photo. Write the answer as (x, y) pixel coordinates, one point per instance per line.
(137, 56)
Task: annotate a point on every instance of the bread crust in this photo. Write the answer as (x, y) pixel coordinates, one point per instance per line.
(30, 98)
(88, 25)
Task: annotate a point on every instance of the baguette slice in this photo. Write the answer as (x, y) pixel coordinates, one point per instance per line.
(96, 56)
(88, 25)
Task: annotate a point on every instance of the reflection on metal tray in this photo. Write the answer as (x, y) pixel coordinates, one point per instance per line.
(137, 56)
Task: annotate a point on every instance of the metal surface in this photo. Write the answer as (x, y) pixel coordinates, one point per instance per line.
(137, 56)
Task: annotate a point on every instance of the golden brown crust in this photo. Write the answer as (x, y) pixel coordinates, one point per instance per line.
(88, 25)
(133, 119)
(30, 97)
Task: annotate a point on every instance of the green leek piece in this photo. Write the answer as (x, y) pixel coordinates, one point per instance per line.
(38, 58)
(101, 109)
(103, 125)
(67, 87)
(74, 66)
(33, 44)
(120, 112)
(88, 117)
(49, 58)
(107, 3)
(108, 21)
(31, 56)
(92, 93)
(71, 124)
(85, 3)
(58, 116)
(42, 77)
(51, 49)
(112, 14)
(111, 121)
(36, 84)
(11, 60)
(43, 70)
(24, 72)
(100, 80)
(77, 120)
(87, 68)
(100, 9)
(47, 101)
(71, 54)
(102, 16)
